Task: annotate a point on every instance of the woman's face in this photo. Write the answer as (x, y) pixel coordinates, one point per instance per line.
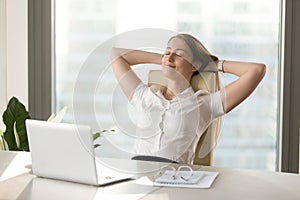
(177, 60)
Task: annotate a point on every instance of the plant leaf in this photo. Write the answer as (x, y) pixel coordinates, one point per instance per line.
(3, 144)
(51, 117)
(59, 116)
(96, 135)
(15, 113)
(16, 136)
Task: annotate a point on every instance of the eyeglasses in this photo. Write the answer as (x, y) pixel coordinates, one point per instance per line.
(183, 172)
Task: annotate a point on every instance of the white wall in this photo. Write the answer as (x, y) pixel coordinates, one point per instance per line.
(3, 97)
(17, 49)
(13, 52)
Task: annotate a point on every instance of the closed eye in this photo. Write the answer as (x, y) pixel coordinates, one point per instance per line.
(176, 54)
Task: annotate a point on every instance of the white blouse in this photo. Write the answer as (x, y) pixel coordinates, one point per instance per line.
(172, 128)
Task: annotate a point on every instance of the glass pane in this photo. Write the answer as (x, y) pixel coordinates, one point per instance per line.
(232, 29)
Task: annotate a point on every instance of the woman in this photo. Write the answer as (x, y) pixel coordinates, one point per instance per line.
(174, 116)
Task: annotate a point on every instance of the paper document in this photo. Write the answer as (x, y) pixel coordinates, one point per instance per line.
(196, 179)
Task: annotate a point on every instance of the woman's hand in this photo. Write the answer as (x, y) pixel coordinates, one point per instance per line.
(210, 67)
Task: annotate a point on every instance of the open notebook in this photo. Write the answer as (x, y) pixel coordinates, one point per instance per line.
(187, 179)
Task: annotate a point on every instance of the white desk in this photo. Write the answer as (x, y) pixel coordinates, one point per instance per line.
(17, 183)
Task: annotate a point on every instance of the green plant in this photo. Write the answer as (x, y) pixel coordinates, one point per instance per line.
(15, 136)
(98, 134)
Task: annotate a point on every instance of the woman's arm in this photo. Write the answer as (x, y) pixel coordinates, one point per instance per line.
(123, 59)
(250, 75)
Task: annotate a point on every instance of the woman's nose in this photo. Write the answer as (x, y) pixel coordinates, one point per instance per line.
(171, 57)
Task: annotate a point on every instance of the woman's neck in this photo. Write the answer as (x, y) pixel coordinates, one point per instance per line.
(175, 87)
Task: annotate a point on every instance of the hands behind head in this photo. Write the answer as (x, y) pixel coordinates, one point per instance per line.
(210, 67)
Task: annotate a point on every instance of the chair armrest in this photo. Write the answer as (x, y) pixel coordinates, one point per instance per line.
(153, 159)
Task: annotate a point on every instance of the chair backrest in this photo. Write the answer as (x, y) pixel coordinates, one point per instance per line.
(205, 81)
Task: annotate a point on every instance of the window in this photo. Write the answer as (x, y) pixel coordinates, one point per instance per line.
(231, 29)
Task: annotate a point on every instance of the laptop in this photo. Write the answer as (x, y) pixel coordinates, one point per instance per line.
(66, 152)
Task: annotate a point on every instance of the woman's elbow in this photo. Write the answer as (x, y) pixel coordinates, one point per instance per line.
(261, 69)
(113, 53)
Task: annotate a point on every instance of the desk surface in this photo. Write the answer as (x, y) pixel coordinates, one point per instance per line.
(16, 182)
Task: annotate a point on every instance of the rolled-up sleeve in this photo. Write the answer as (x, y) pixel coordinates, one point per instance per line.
(138, 94)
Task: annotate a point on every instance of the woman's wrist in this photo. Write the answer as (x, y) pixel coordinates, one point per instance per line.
(221, 65)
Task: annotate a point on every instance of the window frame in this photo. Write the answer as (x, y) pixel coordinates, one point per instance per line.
(289, 119)
(40, 58)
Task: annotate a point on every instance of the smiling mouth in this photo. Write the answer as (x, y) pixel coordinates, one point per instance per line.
(170, 66)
